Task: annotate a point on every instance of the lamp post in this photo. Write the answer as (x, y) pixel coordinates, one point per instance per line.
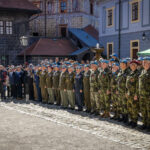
(24, 43)
(98, 51)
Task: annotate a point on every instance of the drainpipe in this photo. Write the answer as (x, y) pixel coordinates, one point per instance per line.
(119, 32)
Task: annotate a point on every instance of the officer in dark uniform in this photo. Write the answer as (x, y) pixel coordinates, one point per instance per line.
(79, 88)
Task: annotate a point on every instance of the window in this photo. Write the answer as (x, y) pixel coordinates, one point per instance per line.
(135, 14)
(49, 7)
(91, 8)
(8, 27)
(1, 27)
(110, 17)
(110, 49)
(134, 48)
(75, 5)
(63, 6)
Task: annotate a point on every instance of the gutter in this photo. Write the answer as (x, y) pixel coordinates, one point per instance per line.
(119, 32)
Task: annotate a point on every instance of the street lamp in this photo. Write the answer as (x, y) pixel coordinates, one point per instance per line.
(24, 43)
(98, 51)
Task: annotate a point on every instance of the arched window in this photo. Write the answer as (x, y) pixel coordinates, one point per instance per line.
(63, 6)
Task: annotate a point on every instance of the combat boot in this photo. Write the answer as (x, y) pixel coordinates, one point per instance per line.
(134, 124)
(103, 115)
(107, 115)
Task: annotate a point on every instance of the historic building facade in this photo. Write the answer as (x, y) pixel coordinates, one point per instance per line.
(124, 26)
(14, 23)
(60, 15)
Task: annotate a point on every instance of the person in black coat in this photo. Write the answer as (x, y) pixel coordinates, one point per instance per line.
(79, 88)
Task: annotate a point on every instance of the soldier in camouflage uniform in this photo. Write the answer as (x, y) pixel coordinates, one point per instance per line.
(49, 85)
(104, 88)
(56, 76)
(122, 90)
(144, 93)
(70, 86)
(42, 76)
(114, 89)
(132, 93)
(86, 88)
(62, 87)
(94, 95)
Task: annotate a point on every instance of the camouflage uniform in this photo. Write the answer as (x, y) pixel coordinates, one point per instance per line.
(62, 87)
(132, 90)
(94, 96)
(144, 93)
(70, 89)
(114, 96)
(55, 84)
(104, 86)
(49, 85)
(86, 90)
(44, 93)
(122, 90)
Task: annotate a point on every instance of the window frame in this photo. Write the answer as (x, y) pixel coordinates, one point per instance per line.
(8, 27)
(108, 9)
(112, 43)
(131, 3)
(3, 27)
(60, 7)
(131, 47)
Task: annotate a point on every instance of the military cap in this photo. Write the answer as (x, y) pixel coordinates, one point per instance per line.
(94, 63)
(56, 66)
(140, 59)
(146, 58)
(134, 62)
(114, 54)
(116, 64)
(105, 61)
(123, 61)
(78, 67)
(112, 59)
(128, 59)
(70, 66)
(63, 66)
(100, 59)
(87, 65)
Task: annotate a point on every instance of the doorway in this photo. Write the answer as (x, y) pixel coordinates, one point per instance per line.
(63, 31)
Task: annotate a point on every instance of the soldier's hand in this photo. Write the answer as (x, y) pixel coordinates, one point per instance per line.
(65, 90)
(135, 98)
(73, 90)
(117, 92)
(81, 91)
(108, 92)
(99, 91)
(126, 95)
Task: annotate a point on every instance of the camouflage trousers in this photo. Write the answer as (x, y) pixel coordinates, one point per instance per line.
(87, 99)
(51, 98)
(95, 102)
(133, 109)
(115, 104)
(122, 104)
(44, 94)
(145, 109)
(71, 98)
(64, 98)
(105, 101)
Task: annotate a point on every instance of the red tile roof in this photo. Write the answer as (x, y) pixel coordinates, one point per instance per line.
(18, 4)
(49, 47)
(92, 31)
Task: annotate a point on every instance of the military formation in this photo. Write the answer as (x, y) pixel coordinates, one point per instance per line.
(115, 89)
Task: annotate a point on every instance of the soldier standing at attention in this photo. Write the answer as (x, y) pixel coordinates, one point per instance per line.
(62, 87)
(86, 88)
(42, 76)
(104, 80)
(70, 86)
(56, 76)
(79, 88)
(94, 96)
(49, 85)
(122, 90)
(144, 93)
(113, 85)
(132, 86)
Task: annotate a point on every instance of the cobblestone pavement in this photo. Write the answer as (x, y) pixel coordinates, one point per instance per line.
(100, 128)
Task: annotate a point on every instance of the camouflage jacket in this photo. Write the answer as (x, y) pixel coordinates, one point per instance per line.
(144, 83)
(121, 81)
(113, 82)
(132, 83)
(94, 81)
(104, 79)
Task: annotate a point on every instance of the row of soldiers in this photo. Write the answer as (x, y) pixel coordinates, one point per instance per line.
(103, 86)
